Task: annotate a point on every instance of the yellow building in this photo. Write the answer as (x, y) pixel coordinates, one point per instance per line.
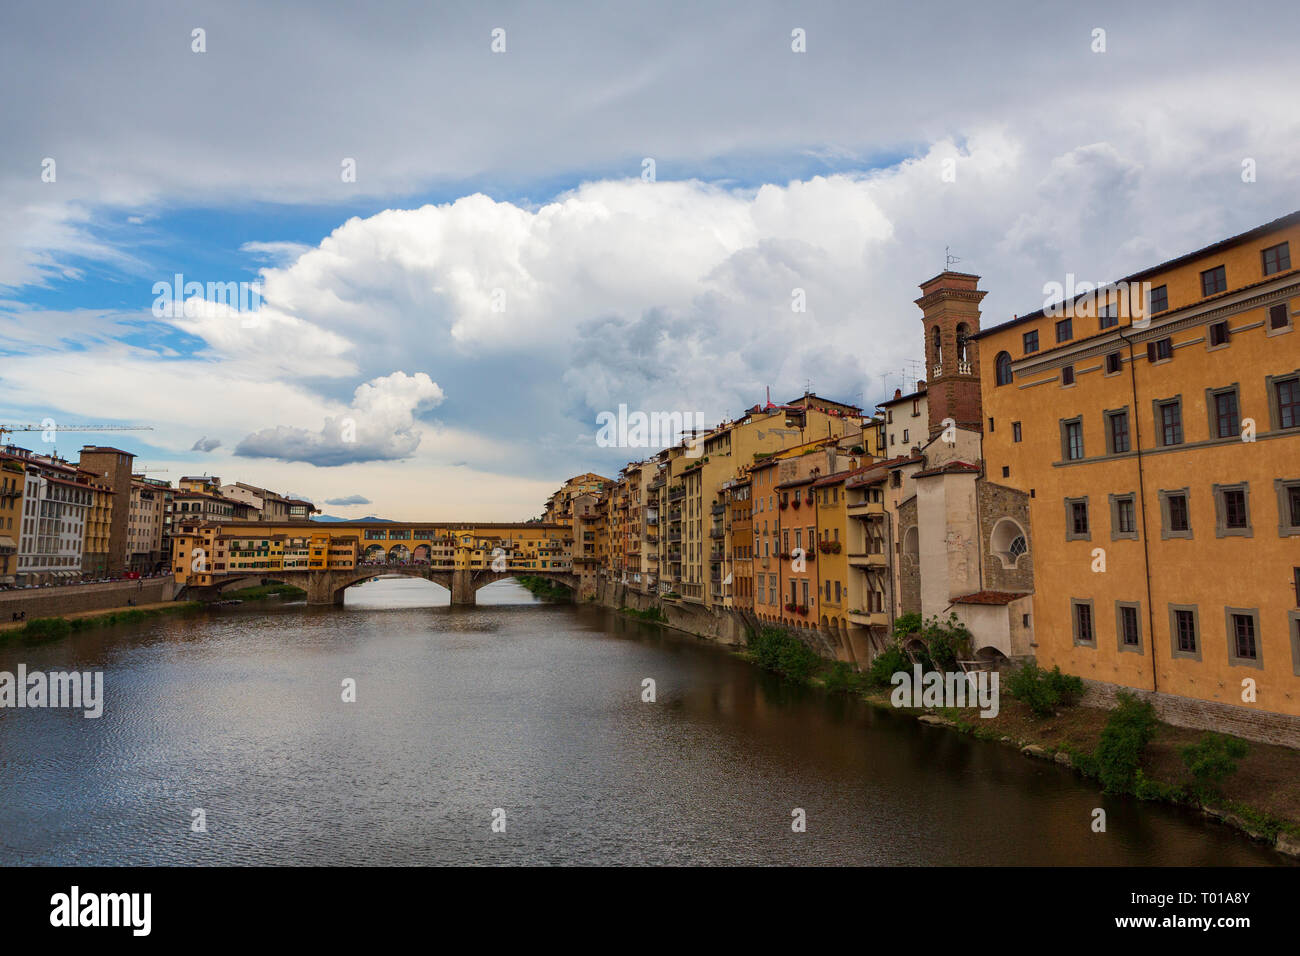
(12, 483)
(205, 552)
(1160, 446)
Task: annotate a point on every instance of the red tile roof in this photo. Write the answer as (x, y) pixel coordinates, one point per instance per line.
(990, 597)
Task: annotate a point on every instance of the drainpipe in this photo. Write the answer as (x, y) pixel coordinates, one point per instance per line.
(1142, 504)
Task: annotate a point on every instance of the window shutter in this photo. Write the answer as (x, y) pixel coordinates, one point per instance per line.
(1151, 351)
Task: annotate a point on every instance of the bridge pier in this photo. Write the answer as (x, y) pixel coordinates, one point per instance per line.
(323, 587)
(462, 588)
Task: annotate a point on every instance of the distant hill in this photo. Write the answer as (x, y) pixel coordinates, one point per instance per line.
(366, 518)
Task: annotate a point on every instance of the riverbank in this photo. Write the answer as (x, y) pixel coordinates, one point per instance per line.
(546, 589)
(43, 629)
(1260, 799)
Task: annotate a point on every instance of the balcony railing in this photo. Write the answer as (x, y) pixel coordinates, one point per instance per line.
(677, 493)
(717, 509)
(717, 532)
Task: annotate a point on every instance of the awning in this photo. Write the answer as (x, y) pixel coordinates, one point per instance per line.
(8, 542)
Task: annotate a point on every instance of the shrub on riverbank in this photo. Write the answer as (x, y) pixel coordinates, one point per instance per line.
(1044, 691)
(648, 614)
(1118, 756)
(545, 588)
(776, 649)
(259, 592)
(44, 629)
(1210, 760)
(887, 664)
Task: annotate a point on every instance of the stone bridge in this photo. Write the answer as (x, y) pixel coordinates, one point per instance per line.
(327, 586)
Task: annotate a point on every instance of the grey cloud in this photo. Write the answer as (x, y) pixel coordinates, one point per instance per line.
(206, 444)
(349, 500)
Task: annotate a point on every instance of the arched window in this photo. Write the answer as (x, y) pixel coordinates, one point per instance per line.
(912, 542)
(962, 335)
(938, 348)
(1008, 541)
(1003, 366)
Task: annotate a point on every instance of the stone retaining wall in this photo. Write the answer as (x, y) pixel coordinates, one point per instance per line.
(1264, 726)
(71, 598)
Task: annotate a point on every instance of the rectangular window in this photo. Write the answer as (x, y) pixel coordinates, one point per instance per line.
(1234, 504)
(1079, 518)
(1178, 518)
(1232, 510)
(1015, 431)
(1064, 330)
(1083, 631)
(1030, 340)
(1119, 436)
(1214, 281)
(1185, 638)
(1160, 350)
(1170, 423)
(1158, 299)
(1129, 635)
(1288, 509)
(1125, 516)
(1073, 440)
(1227, 419)
(1218, 334)
(1277, 258)
(1108, 314)
(1288, 402)
(1242, 628)
(1067, 375)
(1279, 316)
(1114, 362)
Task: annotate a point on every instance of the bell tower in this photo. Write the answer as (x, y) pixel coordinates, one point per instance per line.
(950, 315)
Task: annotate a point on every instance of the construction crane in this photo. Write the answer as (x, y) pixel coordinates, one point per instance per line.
(51, 426)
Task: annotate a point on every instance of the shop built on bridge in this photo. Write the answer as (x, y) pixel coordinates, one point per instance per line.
(326, 559)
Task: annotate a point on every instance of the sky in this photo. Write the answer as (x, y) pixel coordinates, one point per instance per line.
(471, 228)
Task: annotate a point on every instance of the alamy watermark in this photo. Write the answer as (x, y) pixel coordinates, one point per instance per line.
(951, 689)
(178, 298)
(83, 689)
(1075, 298)
(623, 429)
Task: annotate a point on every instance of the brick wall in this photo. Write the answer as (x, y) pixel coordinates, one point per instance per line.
(1263, 726)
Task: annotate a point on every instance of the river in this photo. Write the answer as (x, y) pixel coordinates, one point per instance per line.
(527, 708)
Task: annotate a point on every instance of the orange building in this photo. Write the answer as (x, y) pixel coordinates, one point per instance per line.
(1156, 429)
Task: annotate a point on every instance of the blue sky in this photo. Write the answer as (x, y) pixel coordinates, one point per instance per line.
(471, 342)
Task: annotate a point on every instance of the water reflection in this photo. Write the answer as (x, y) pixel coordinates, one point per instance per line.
(528, 707)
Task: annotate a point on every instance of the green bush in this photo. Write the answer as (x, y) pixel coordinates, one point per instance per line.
(906, 625)
(947, 642)
(45, 629)
(893, 660)
(1044, 691)
(1128, 730)
(1210, 760)
(841, 678)
(777, 650)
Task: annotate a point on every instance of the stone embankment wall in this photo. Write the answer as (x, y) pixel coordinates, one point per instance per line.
(724, 626)
(1248, 722)
(71, 598)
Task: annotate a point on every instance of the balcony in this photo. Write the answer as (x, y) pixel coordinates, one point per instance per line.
(869, 559)
(869, 618)
(674, 537)
(867, 509)
(717, 509)
(676, 493)
(675, 516)
(716, 555)
(717, 532)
